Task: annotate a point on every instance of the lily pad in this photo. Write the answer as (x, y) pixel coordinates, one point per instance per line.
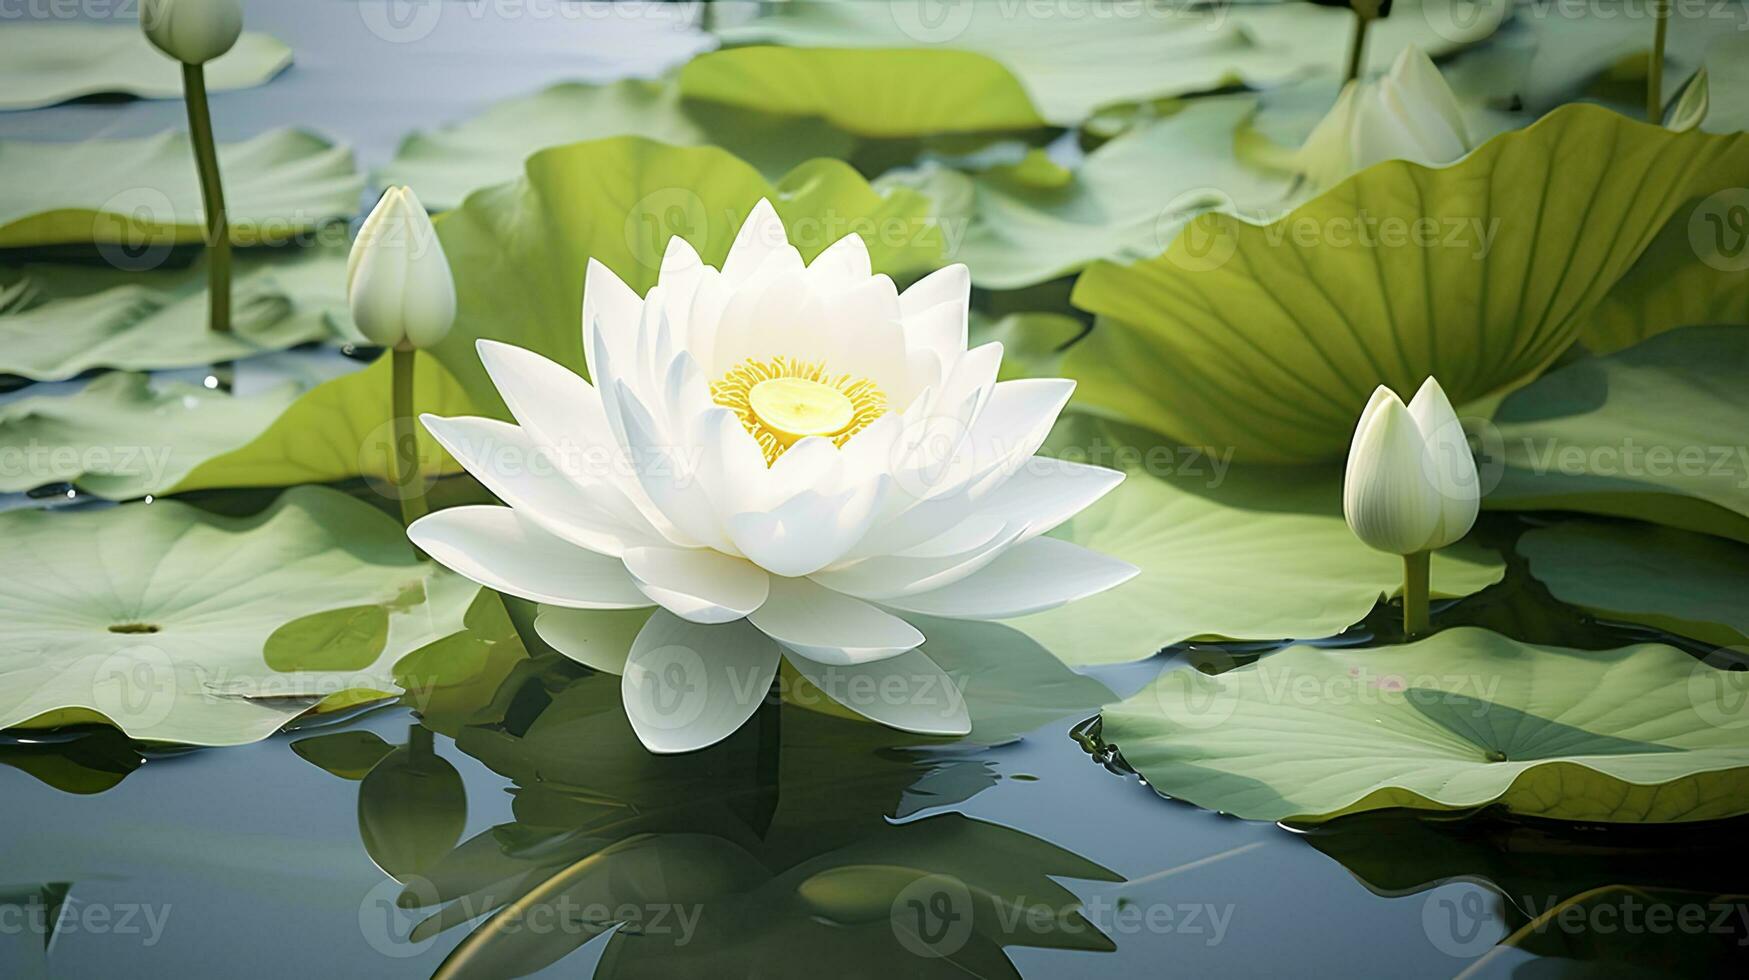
(121, 438)
(1462, 719)
(1125, 201)
(1678, 581)
(42, 64)
(1227, 551)
(349, 755)
(152, 617)
(99, 317)
(338, 430)
(445, 164)
(1267, 338)
(885, 93)
(1668, 288)
(1654, 432)
(278, 186)
(1075, 58)
(519, 250)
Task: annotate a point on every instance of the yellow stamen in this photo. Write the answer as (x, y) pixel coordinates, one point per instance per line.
(781, 400)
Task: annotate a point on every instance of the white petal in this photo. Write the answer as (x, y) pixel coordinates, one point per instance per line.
(1452, 465)
(808, 531)
(908, 692)
(1028, 578)
(887, 577)
(524, 475)
(842, 264)
(502, 550)
(759, 239)
(1046, 492)
(600, 639)
(1015, 422)
(688, 686)
(823, 625)
(699, 585)
(1387, 497)
(668, 475)
(950, 284)
(613, 310)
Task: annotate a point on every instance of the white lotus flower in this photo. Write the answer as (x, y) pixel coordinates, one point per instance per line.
(1411, 484)
(398, 282)
(789, 461)
(1408, 114)
(193, 32)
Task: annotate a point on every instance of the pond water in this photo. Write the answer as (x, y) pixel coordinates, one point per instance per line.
(386, 843)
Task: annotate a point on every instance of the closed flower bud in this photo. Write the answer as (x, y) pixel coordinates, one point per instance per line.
(397, 278)
(1411, 483)
(193, 32)
(1409, 114)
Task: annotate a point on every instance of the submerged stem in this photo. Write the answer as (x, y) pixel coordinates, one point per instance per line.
(1655, 70)
(212, 194)
(1357, 46)
(1415, 584)
(408, 481)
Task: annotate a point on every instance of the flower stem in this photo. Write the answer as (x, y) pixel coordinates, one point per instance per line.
(212, 193)
(1655, 70)
(1415, 574)
(408, 481)
(1357, 46)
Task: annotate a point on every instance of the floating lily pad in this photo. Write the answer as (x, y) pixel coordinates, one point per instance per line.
(153, 617)
(445, 164)
(1654, 432)
(145, 192)
(519, 250)
(1267, 338)
(1073, 59)
(42, 64)
(1462, 719)
(96, 317)
(1678, 581)
(886, 93)
(1127, 200)
(1227, 551)
(121, 438)
(338, 430)
(349, 755)
(1668, 288)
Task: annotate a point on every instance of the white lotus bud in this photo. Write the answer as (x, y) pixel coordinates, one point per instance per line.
(193, 32)
(1411, 483)
(397, 278)
(1408, 114)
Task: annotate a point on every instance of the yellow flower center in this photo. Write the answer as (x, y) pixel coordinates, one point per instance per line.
(782, 400)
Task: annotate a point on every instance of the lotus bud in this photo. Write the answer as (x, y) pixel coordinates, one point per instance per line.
(1409, 114)
(1411, 484)
(193, 32)
(397, 277)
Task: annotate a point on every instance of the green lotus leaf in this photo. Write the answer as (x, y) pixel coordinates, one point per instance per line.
(340, 429)
(1269, 338)
(349, 755)
(153, 617)
(42, 64)
(1653, 432)
(519, 250)
(1667, 288)
(1032, 343)
(1125, 201)
(278, 186)
(1073, 59)
(443, 165)
(1677, 581)
(73, 318)
(349, 638)
(886, 93)
(121, 438)
(1227, 551)
(1462, 719)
